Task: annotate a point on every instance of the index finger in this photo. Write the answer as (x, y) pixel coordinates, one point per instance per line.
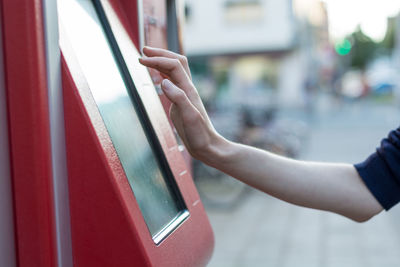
(159, 52)
(169, 67)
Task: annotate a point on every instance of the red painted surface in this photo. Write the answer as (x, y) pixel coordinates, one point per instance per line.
(27, 99)
(102, 231)
(127, 11)
(107, 226)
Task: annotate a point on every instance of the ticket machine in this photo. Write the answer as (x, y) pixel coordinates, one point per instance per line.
(96, 175)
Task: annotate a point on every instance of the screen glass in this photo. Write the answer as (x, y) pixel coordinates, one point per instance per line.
(159, 202)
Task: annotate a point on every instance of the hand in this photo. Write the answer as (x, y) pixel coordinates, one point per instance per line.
(187, 111)
(332, 187)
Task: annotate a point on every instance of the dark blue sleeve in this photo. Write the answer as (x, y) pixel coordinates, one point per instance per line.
(381, 171)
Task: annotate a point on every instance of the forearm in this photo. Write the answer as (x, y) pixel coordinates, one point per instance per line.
(332, 187)
(324, 186)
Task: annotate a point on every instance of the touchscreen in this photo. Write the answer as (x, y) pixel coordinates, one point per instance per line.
(158, 202)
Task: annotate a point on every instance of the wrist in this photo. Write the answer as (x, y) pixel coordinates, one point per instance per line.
(218, 152)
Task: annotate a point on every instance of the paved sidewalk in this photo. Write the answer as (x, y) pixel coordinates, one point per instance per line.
(267, 232)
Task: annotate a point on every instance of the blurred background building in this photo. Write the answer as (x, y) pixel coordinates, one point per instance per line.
(256, 45)
(309, 79)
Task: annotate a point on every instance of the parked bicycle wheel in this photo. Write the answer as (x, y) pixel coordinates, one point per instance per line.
(217, 189)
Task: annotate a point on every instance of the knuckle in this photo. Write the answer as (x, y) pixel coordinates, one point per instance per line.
(183, 59)
(197, 116)
(180, 96)
(193, 117)
(175, 64)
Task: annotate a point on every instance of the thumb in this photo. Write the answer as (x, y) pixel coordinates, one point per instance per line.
(178, 97)
(189, 115)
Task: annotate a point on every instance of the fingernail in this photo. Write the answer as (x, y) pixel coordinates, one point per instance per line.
(166, 84)
(157, 79)
(145, 47)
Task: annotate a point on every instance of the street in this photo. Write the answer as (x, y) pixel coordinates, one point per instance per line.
(264, 231)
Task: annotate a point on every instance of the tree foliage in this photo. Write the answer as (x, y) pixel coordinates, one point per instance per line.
(363, 49)
(388, 43)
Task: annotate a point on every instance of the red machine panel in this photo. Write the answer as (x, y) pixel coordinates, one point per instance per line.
(30, 152)
(115, 220)
(109, 98)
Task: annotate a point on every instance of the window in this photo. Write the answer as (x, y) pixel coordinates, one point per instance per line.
(243, 11)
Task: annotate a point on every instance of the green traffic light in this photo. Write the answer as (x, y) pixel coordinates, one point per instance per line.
(343, 47)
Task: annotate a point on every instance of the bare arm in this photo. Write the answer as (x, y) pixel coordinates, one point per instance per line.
(324, 186)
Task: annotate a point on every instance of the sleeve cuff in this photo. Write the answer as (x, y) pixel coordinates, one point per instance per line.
(376, 176)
